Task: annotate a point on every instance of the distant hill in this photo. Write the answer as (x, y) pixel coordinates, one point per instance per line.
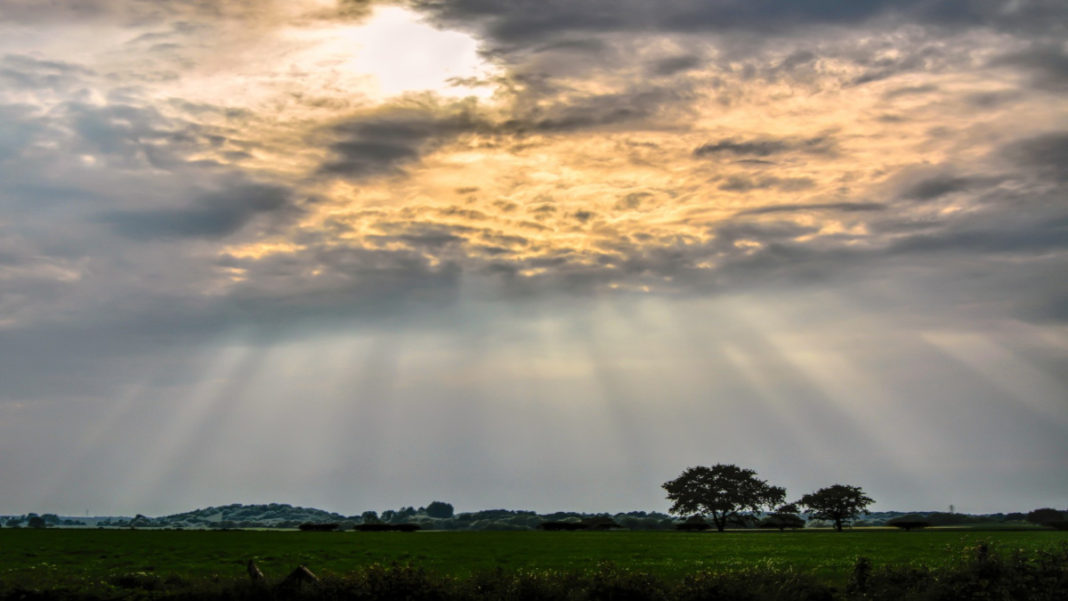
(236, 515)
(274, 515)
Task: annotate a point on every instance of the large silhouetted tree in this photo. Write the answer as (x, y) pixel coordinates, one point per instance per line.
(838, 503)
(437, 509)
(1045, 516)
(720, 492)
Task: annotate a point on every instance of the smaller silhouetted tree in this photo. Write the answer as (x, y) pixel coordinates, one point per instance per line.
(909, 522)
(438, 509)
(36, 521)
(782, 518)
(369, 517)
(839, 503)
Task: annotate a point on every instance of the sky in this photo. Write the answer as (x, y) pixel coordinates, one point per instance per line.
(531, 254)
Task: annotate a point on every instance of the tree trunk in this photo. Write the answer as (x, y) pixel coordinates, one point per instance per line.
(720, 522)
(838, 524)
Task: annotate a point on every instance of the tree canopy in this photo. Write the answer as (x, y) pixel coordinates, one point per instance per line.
(782, 518)
(838, 503)
(1045, 516)
(439, 509)
(720, 492)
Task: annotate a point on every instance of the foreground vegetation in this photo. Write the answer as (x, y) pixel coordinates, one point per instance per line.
(102, 564)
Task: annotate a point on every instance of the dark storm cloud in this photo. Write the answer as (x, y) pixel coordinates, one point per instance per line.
(845, 207)
(765, 147)
(742, 183)
(519, 20)
(211, 215)
(596, 110)
(134, 135)
(432, 237)
(1025, 236)
(937, 186)
(1046, 154)
(383, 142)
(1047, 64)
(674, 64)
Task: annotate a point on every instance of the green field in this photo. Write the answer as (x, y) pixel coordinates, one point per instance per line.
(83, 558)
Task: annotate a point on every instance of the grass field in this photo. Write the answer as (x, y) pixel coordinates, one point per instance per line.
(81, 558)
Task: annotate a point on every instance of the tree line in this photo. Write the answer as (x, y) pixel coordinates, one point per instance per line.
(723, 493)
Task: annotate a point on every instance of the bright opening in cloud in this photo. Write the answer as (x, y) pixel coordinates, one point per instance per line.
(404, 54)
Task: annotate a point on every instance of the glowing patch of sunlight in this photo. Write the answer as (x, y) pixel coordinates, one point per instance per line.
(1007, 372)
(260, 250)
(404, 54)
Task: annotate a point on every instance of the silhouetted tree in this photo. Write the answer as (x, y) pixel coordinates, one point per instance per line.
(36, 521)
(720, 492)
(437, 509)
(1045, 516)
(369, 517)
(782, 518)
(909, 522)
(314, 527)
(838, 503)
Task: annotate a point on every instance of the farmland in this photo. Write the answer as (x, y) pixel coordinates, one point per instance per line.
(87, 559)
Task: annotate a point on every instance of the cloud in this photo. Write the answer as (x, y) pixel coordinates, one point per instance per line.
(383, 141)
(765, 147)
(1047, 154)
(937, 186)
(846, 207)
(211, 215)
(1046, 62)
(522, 21)
(30, 73)
(741, 183)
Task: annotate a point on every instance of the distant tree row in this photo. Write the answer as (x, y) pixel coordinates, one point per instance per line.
(731, 494)
(32, 520)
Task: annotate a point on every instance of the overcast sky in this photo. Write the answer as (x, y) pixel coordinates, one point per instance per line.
(531, 254)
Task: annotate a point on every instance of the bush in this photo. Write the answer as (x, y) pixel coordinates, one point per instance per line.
(909, 522)
(310, 527)
(982, 572)
(556, 526)
(694, 523)
(387, 527)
